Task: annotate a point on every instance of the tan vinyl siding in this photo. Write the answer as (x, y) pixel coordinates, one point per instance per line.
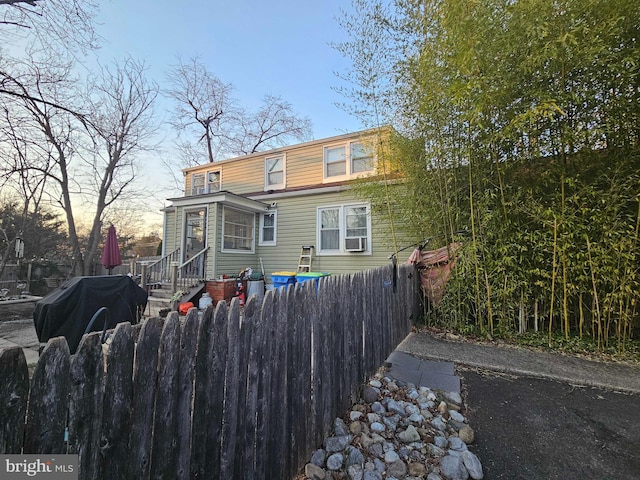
(304, 166)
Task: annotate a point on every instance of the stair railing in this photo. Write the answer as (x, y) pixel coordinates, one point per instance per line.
(192, 271)
(159, 272)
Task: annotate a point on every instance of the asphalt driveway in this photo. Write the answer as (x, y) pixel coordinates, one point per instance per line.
(528, 428)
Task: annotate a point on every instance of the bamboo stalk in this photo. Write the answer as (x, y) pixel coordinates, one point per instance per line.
(553, 275)
(595, 294)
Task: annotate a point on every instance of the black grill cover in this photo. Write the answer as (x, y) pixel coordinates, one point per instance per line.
(68, 310)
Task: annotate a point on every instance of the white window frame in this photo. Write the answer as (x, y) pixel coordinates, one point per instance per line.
(262, 241)
(209, 183)
(342, 216)
(370, 158)
(206, 184)
(199, 176)
(275, 186)
(348, 161)
(223, 234)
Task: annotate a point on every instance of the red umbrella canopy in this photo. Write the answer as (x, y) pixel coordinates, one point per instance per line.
(111, 252)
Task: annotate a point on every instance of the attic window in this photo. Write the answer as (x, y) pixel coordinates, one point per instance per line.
(274, 173)
(208, 182)
(342, 162)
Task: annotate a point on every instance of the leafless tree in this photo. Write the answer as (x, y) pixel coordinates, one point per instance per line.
(92, 154)
(121, 127)
(44, 30)
(205, 109)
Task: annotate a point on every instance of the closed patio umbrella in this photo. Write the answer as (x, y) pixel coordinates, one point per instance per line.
(111, 251)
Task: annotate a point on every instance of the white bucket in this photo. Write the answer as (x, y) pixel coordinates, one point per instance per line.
(257, 287)
(205, 301)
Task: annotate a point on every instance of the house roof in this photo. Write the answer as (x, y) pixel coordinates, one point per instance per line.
(224, 197)
(274, 151)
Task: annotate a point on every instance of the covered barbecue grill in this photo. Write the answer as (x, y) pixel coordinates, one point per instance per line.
(68, 310)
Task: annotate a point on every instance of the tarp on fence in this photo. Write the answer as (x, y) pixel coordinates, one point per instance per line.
(435, 269)
(68, 310)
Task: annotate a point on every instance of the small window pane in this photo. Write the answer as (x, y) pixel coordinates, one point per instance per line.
(356, 218)
(275, 171)
(330, 229)
(361, 159)
(335, 159)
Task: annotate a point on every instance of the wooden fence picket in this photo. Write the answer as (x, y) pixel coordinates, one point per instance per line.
(14, 393)
(231, 392)
(164, 441)
(202, 398)
(184, 410)
(85, 405)
(145, 375)
(223, 394)
(118, 393)
(49, 400)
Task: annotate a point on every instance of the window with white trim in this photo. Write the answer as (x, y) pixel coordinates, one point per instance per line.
(268, 228)
(344, 229)
(205, 182)
(274, 173)
(335, 161)
(361, 158)
(237, 230)
(213, 182)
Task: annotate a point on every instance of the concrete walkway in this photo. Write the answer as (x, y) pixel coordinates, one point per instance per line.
(519, 361)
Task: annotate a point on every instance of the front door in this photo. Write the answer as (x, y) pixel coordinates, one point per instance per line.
(195, 233)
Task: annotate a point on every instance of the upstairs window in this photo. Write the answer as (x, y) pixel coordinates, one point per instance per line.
(213, 182)
(208, 182)
(335, 161)
(361, 158)
(274, 173)
(197, 183)
(346, 161)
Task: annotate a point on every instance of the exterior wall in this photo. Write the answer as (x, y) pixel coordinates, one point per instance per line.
(296, 208)
(297, 226)
(304, 166)
(171, 240)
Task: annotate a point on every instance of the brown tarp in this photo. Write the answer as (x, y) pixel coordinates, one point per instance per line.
(435, 269)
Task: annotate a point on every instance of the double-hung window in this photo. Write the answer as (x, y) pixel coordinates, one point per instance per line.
(213, 182)
(344, 229)
(206, 182)
(268, 228)
(346, 161)
(237, 230)
(197, 183)
(274, 173)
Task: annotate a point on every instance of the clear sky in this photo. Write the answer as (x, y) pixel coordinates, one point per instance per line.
(261, 47)
(280, 48)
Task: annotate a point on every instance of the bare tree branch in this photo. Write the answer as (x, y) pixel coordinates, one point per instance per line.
(204, 109)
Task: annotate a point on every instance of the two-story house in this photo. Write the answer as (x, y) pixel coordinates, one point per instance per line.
(259, 210)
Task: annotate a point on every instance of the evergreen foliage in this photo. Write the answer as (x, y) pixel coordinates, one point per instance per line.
(519, 121)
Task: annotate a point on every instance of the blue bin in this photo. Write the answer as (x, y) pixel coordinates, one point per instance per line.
(315, 276)
(282, 279)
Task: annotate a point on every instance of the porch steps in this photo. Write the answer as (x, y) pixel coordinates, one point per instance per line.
(160, 297)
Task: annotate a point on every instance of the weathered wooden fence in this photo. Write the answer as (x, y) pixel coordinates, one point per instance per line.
(218, 397)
